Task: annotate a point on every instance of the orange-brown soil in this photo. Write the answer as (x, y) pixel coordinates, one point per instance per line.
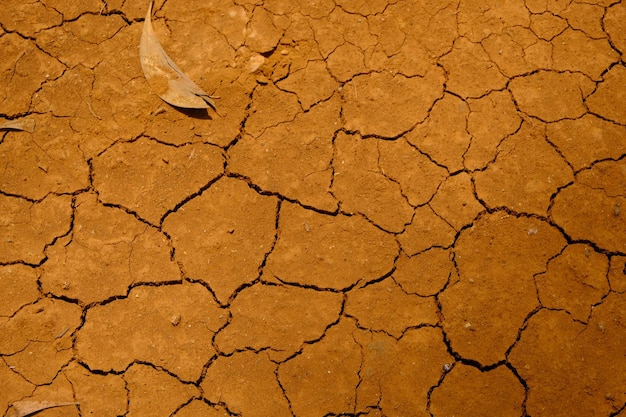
(402, 209)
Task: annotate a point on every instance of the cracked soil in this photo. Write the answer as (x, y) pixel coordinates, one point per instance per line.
(402, 208)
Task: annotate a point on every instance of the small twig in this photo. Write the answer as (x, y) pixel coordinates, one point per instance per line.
(91, 110)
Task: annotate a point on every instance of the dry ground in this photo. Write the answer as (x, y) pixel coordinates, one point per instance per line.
(404, 208)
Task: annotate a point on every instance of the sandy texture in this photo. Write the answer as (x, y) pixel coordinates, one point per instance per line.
(399, 208)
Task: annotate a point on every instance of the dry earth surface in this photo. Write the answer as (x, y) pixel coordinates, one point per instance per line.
(403, 208)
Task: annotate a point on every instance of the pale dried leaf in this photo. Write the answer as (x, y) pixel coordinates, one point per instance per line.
(27, 125)
(164, 76)
(28, 408)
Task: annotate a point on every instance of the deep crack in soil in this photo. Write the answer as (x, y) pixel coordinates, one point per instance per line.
(402, 209)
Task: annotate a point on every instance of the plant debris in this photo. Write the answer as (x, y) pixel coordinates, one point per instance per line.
(28, 408)
(23, 124)
(164, 76)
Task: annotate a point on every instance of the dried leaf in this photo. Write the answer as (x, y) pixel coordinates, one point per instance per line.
(164, 76)
(28, 408)
(27, 125)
